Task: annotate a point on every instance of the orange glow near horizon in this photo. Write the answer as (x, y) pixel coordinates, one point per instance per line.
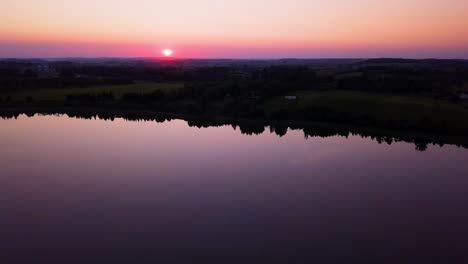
(212, 28)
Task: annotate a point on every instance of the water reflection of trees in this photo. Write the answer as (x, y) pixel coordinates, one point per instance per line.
(256, 128)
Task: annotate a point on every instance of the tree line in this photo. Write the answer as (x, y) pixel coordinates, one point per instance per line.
(252, 127)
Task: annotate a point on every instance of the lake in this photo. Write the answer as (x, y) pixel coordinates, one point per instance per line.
(90, 190)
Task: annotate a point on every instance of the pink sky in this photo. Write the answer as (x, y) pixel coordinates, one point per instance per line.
(235, 29)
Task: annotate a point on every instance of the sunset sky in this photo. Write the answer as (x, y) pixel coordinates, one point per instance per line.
(235, 29)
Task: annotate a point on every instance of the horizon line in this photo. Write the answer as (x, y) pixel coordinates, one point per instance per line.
(225, 58)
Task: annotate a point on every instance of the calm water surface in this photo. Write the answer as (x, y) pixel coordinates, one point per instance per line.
(92, 190)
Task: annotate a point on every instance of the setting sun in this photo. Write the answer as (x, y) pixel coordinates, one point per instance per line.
(167, 52)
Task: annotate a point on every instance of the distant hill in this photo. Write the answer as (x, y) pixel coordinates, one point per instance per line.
(433, 62)
(194, 63)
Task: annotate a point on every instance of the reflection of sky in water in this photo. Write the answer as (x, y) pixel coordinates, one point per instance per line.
(138, 172)
(99, 154)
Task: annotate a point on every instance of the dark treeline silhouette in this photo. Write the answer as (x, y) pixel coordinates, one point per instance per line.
(249, 127)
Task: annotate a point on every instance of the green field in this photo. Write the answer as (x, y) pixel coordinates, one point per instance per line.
(117, 90)
(382, 108)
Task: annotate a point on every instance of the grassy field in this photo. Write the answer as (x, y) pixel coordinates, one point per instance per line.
(117, 90)
(382, 108)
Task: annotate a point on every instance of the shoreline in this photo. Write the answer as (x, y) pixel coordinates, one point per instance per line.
(247, 126)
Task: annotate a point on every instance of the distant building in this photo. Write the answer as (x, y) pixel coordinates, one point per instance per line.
(290, 97)
(43, 68)
(45, 71)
